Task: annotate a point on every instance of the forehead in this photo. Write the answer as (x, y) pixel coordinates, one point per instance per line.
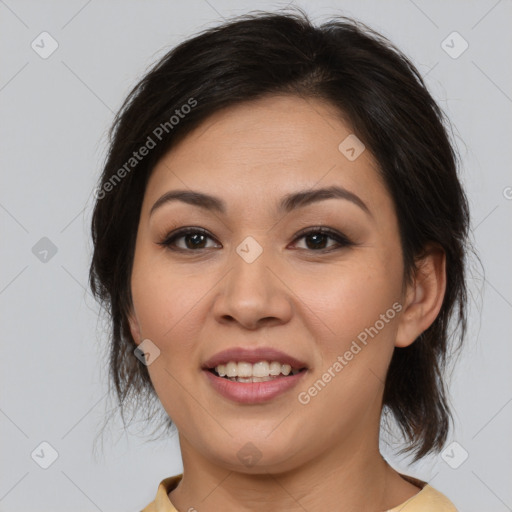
(265, 149)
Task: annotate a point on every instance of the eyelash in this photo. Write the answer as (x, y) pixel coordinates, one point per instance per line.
(341, 239)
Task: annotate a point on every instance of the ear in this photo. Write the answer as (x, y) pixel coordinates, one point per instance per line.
(424, 297)
(134, 327)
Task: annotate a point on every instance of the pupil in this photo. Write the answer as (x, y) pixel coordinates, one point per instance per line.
(197, 237)
(317, 236)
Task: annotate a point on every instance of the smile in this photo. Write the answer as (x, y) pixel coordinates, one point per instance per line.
(254, 390)
(261, 371)
(253, 376)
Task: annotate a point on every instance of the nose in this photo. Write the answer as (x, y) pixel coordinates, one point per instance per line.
(253, 294)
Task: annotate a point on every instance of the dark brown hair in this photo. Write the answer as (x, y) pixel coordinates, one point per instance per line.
(373, 86)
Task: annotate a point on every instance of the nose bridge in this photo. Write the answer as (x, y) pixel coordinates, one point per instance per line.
(250, 264)
(251, 278)
(251, 291)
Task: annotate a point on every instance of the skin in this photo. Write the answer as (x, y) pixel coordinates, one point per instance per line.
(307, 302)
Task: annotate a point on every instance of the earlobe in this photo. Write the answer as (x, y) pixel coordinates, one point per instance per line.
(424, 297)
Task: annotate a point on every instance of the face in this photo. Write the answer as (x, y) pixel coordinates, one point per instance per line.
(317, 278)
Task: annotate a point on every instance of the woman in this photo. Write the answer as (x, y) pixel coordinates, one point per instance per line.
(279, 237)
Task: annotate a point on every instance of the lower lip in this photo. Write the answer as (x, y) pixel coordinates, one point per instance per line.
(253, 392)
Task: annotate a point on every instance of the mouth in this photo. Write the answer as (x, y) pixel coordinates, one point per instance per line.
(262, 371)
(253, 376)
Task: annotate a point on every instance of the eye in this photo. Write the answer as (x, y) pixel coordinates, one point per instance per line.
(194, 238)
(317, 238)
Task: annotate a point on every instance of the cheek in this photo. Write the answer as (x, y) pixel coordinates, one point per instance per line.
(355, 341)
(353, 314)
(164, 299)
(166, 305)
(351, 297)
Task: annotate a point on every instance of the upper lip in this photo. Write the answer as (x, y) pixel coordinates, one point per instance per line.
(252, 356)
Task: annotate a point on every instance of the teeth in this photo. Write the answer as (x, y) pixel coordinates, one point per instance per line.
(261, 369)
(231, 370)
(286, 369)
(221, 370)
(245, 370)
(250, 379)
(275, 368)
(257, 372)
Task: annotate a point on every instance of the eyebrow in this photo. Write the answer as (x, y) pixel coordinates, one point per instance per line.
(287, 204)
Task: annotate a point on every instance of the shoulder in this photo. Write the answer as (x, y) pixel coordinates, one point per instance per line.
(426, 500)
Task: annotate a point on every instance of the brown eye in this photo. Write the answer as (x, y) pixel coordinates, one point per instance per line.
(317, 238)
(194, 239)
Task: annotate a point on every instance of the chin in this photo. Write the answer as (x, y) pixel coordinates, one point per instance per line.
(258, 456)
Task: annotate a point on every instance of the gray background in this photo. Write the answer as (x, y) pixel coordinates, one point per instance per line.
(54, 115)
